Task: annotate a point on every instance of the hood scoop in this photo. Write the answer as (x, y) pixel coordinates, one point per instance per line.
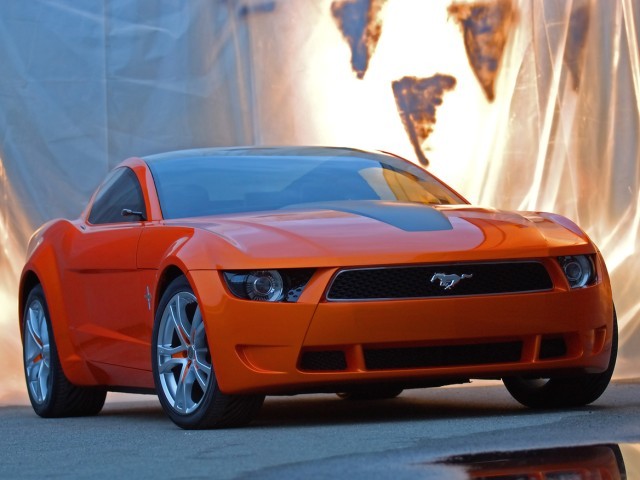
(410, 217)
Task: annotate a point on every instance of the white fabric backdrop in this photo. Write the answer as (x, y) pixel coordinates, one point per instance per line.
(85, 84)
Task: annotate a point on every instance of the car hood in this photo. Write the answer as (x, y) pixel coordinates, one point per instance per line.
(377, 232)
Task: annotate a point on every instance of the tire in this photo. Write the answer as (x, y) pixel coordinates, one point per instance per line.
(561, 392)
(50, 392)
(379, 393)
(183, 371)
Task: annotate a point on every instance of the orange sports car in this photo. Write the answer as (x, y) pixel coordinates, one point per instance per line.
(214, 277)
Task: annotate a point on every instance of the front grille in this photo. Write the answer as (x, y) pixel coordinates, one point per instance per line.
(442, 356)
(425, 281)
(330, 360)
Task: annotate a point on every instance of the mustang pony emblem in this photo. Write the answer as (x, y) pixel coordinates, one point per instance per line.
(448, 281)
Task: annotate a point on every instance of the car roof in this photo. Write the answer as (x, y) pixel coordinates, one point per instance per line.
(288, 151)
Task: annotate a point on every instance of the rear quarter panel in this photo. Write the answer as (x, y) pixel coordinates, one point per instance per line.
(45, 261)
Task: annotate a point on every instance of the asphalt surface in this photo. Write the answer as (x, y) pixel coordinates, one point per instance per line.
(311, 436)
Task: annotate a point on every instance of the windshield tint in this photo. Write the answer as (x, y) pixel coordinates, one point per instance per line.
(198, 186)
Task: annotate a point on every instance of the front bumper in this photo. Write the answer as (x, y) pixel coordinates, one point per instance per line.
(314, 345)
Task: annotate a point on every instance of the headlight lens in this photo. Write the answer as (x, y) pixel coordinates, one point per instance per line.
(264, 285)
(283, 285)
(578, 269)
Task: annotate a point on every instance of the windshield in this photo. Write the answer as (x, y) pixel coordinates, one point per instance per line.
(213, 185)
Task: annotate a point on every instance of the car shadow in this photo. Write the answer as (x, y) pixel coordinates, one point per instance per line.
(329, 410)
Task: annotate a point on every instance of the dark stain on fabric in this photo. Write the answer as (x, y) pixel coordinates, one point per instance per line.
(360, 22)
(577, 41)
(417, 100)
(485, 27)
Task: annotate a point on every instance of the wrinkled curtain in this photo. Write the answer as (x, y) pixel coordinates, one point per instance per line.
(523, 104)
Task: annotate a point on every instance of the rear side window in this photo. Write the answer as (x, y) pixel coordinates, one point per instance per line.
(120, 190)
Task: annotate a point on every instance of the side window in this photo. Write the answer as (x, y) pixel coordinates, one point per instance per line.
(120, 190)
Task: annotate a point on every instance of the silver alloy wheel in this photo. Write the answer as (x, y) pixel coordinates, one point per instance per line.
(37, 353)
(184, 361)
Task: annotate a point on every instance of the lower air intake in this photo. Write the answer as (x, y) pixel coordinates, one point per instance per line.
(328, 360)
(552, 348)
(442, 356)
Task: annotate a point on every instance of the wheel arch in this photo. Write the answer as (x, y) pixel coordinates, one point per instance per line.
(28, 282)
(169, 273)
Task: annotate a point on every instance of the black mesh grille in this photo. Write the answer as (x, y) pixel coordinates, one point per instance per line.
(442, 356)
(324, 360)
(425, 281)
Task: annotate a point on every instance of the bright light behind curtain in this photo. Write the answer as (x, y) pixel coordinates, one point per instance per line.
(523, 104)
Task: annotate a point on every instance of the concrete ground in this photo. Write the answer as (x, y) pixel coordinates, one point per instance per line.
(311, 436)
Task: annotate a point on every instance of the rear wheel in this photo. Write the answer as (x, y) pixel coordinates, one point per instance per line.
(559, 392)
(50, 392)
(183, 370)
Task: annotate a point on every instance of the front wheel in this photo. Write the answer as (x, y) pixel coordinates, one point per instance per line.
(50, 392)
(559, 392)
(183, 370)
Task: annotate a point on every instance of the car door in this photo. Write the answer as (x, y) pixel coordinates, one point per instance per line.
(102, 281)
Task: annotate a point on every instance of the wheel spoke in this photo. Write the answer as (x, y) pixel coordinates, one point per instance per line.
(32, 372)
(185, 387)
(43, 375)
(184, 340)
(202, 370)
(30, 327)
(44, 331)
(168, 350)
(197, 327)
(33, 354)
(170, 364)
(203, 366)
(34, 386)
(183, 318)
(181, 396)
(200, 377)
(44, 370)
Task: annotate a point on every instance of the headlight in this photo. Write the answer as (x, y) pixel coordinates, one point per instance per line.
(283, 285)
(578, 269)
